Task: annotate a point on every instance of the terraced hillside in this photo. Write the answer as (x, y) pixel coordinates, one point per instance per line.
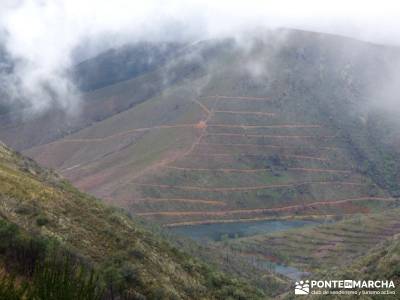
(361, 247)
(224, 168)
(317, 249)
(381, 261)
(39, 210)
(270, 129)
(252, 163)
(283, 128)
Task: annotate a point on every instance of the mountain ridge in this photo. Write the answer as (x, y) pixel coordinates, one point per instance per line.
(253, 131)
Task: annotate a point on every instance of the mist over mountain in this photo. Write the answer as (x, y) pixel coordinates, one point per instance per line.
(123, 63)
(262, 143)
(64, 33)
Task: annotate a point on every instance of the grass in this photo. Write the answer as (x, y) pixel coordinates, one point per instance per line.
(119, 249)
(317, 249)
(308, 81)
(111, 169)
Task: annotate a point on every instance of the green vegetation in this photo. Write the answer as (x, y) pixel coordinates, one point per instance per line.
(320, 246)
(53, 280)
(311, 141)
(102, 248)
(44, 269)
(121, 64)
(380, 262)
(295, 138)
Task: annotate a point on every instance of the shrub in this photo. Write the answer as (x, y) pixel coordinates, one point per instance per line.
(42, 221)
(64, 280)
(10, 290)
(53, 280)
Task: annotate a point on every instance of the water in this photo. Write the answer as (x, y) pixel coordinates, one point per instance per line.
(220, 231)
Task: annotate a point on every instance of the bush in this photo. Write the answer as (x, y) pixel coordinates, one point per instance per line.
(42, 221)
(51, 272)
(10, 290)
(53, 280)
(64, 280)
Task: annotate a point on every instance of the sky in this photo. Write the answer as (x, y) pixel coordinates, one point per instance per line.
(41, 35)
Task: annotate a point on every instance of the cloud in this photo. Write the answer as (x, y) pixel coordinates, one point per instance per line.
(41, 35)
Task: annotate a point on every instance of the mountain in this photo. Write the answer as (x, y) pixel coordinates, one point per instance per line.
(256, 144)
(123, 63)
(6, 67)
(37, 207)
(255, 129)
(100, 104)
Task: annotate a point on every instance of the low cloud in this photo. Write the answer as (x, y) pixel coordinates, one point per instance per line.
(44, 38)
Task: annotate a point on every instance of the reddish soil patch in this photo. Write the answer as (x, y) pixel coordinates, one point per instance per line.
(201, 125)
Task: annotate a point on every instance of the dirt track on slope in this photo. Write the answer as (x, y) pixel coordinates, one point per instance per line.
(266, 146)
(91, 140)
(321, 170)
(248, 188)
(183, 200)
(264, 126)
(238, 98)
(262, 210)
(232, 170)
(225, 170)
(274, 136)
(240, 112)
